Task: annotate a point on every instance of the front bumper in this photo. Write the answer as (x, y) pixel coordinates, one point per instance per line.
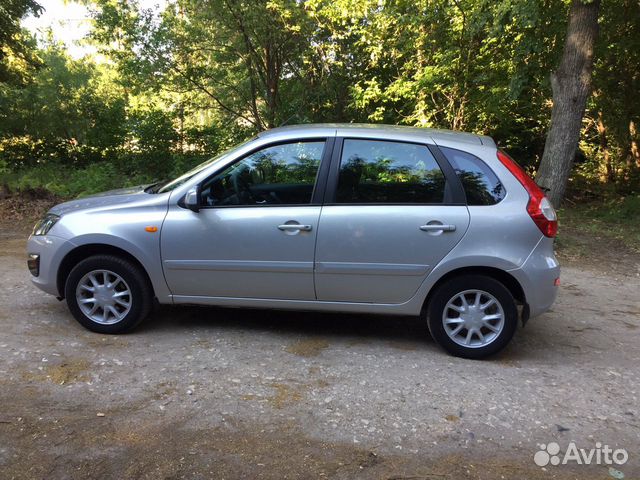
(537, 276)
(51, 250)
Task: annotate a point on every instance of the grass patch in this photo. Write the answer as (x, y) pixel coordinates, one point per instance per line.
(615, 218)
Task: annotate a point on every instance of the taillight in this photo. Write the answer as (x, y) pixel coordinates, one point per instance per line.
(539, 207)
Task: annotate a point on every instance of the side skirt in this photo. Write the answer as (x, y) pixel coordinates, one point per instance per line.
(409, 308)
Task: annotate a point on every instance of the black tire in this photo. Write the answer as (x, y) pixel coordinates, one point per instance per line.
(447, 291)
(141, 299)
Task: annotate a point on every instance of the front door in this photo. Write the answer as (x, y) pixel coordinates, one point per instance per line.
(390, 221)
(255, 234)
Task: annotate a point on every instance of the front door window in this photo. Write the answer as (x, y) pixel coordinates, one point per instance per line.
(277, 175)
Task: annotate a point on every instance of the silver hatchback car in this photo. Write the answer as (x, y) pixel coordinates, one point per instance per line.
(343, 218)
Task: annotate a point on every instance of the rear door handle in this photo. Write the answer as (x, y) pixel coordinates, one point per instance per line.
(432, 227)
(294, 226)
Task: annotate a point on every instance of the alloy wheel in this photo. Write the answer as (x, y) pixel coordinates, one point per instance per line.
(473, 318)
(104, 297)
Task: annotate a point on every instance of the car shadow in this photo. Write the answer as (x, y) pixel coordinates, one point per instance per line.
(407, 329)
(530, 344)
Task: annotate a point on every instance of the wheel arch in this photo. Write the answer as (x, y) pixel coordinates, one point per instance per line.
(508, 280)
(82, 252)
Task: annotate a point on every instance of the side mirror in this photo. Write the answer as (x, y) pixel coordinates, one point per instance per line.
(191, 200)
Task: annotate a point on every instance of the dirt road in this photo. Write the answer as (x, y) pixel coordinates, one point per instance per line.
(212, 393)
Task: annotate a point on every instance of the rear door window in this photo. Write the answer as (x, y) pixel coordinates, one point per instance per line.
(481, 185)
(377, 171)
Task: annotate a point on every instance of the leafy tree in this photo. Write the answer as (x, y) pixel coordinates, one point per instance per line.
(16, 47)
(613, 113)
(471, 65)
(233, 55)
(66, 109)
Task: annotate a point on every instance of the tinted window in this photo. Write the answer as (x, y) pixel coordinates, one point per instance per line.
(481, 185)
(373, 171)
(282, 174)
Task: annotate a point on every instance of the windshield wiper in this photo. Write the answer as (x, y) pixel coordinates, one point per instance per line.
(154, 187)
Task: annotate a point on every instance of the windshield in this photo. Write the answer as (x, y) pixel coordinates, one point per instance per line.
(163, 187)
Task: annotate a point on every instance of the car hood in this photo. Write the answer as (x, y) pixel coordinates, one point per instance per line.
(104, 199)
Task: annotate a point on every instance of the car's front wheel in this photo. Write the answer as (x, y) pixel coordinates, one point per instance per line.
(472, 316)
(108, 294)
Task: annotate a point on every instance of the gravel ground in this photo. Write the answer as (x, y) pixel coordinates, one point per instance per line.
(225, 394)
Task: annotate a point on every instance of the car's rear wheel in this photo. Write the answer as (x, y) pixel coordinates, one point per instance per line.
(108, 294)
(472, 316)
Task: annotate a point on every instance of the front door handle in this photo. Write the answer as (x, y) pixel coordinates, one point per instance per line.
(291, 227)
(432, 227)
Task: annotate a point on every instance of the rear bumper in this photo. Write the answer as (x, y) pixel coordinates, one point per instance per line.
(51, 251)
(537, 276)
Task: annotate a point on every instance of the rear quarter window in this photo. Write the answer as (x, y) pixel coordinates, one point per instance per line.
(481, 185)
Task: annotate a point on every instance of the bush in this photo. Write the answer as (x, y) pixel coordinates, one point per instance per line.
(69, 183)
(125, 170)
(23, 152)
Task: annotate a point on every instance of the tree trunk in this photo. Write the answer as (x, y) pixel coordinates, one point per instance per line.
(571, 86)
(273, 67)
(604, 150)
(634, 151)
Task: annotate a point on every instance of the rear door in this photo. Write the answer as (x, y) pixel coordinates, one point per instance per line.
(392, 212)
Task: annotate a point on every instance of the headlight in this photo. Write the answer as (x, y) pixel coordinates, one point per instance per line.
(44, 225)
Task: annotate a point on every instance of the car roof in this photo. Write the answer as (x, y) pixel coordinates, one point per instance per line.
(344, 129)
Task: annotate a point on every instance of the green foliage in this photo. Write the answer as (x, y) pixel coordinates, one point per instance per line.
(172, 87)
(464, 65)
(98, 177)
(75, 130)
(613, 112)
(17, 52)
(151, 131)
(70, 183)
(64, 103)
